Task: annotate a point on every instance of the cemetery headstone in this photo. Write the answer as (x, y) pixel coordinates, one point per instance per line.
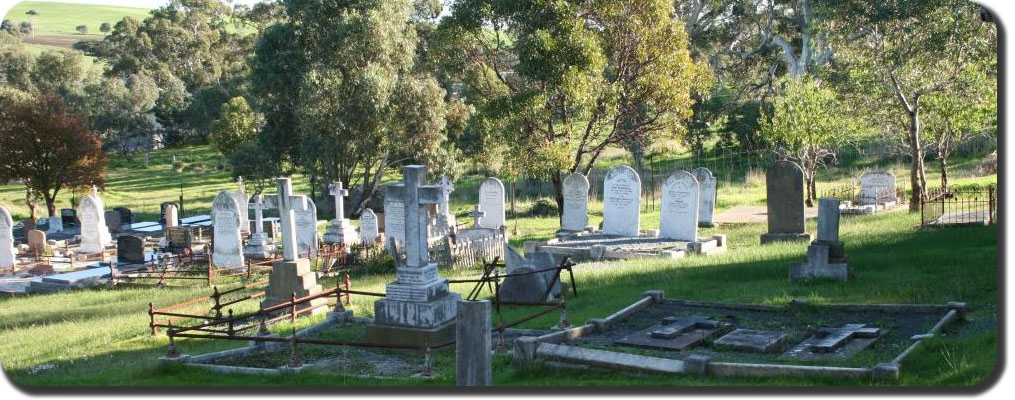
(126, 215)
(678, 218)
(228, 245)
(523, 283)
(94, 232)
(491, 199)
(877, 187)
(163, 209)
(259, 245)
(7, 253)
(240, 195)
(621, 202)
(69, 217)
(292, 273)
(36, 242)
(418, 307)
(473, 344)
(446, 219)
(576, 202)
(826, 256)
(113, 221)
(339, 229)
(170, 215)
(368, 227)
(306, 229)
(394, 219)
(55, 225)
(706, 195)
(130, 249)
(784, 186)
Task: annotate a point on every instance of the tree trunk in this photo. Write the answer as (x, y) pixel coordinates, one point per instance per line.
(50, 206)
(812, 187)
(808, 186)
(917, 178)
(30, 203)
(944, 173)
(558, 195)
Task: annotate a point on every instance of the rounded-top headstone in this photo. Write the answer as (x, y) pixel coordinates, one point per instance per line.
(7, 253)
(706, 195)
(306, 229)
(874, 182)
(575, 215)
(394, 219)
(94, 232)
(622, 202)
(491, 200)
(784, 187)
(368, 227)
(228, 244)
(678, 217)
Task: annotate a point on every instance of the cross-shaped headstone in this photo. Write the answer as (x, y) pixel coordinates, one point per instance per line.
(679, 326)
(95, 190)
(416, 197)
(477, 215)
(834, 338)
(287, 204)
(336, 190)
(259, 208)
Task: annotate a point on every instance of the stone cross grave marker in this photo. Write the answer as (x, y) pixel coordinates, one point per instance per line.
(675, 333)
(622, 202)
(706, 195)
(877, 187)
(446, 220)
(242, 200)
(831, 339)
(477, 215)
(339, 229)
(678, 326)
(678, 218)
(7, 254)
(368, 229)
(576, 202)
(291, 273)
(259, 245)
(226, 221)
(418, 305)
(784, 187)
(94, 233)
(287, 205)
(491, 198)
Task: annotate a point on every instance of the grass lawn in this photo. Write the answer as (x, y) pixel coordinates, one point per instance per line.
(100, 337)
(62, 18)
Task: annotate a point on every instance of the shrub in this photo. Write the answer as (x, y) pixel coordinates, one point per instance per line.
(543, 208)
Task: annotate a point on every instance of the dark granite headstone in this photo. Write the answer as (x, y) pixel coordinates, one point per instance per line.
(69, 217)
(126, 215)
(113, 221)
(130, 249)
(784, 186)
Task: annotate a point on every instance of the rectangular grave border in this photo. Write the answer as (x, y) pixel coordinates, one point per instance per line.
(704, 246)
(553, 348)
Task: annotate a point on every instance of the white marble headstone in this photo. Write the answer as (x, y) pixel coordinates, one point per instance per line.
(306, 229)
(678, 215)
(873, 181)
(576, 202)
(394, 219)
(228, 244)
(172, 216)
(7, 254)
(244, 202)
(622, 202)
(94, 232)
(368, 231)
(491, 200)
(706, 195)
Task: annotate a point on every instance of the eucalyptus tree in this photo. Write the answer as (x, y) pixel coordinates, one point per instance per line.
(966, 110)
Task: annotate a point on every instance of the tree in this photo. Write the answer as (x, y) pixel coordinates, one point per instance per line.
(559, 82)
(238, 124)
(105, 27)
(81, 29)
(121, 110)
(26, 28)
(50, 147)
(910, 49)
(808, 123)
(960, 113)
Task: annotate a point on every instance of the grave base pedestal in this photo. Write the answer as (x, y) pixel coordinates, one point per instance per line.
(773, 237)
(824, 261)
(259, 247)
(403, 335)
(288, 277)
(340, 233)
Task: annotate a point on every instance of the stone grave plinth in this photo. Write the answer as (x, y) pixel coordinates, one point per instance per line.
(594, 246)
(675, 333)
(826, 256)
(291, 274)
(339, 229)
(752, 340)
(835, 342)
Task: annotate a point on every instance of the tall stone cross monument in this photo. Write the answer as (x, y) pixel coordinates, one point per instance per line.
(259, 245)
(290, 274)
(418, 307)
(340, 230)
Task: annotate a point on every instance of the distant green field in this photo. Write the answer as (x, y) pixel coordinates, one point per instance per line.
(62, 18)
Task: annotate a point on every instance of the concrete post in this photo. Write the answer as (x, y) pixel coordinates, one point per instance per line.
(473, 344)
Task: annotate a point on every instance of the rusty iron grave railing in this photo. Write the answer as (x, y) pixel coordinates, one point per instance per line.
(958, 207)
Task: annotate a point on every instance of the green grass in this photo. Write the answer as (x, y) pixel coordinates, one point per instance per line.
(62, 18)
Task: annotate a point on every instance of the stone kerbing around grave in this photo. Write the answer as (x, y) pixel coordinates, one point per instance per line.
(553, 349)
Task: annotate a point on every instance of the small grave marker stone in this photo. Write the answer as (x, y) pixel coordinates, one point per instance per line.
(130, 249)
(675, 333)
(36, 241)
(753, 340)
(835, 342)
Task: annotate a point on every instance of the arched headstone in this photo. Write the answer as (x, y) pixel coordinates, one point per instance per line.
(678, 218)
(575, 215)
(94, 232)
(394, 219)
(784, 187)
(225, 214)
(368, 231)
(491, 199)
(622, 202)
(7, 254)
(706, 195)
(306, 229)
(877, 187)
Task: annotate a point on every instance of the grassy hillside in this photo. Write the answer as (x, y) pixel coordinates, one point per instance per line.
(62, 18)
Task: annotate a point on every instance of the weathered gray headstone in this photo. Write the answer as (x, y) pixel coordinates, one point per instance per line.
(228, 246)
(94, 232)
(826, 258)
(473, 344)
(339, 229)
(784, 183)
(523, 283)
(291, 274)
(113, 221)
(394, 219)
(7, 253)
(576, 202)
(491, 199)
(828, 220)
(622, 202)
(240, 195)
(706, 195)
(172, 216)
(368, 227)
(306, 229)
(130, 249)
(678, 217)
(877, 187)
(418, 307)
(753, 340)
(36, 241)
(55, 225)
(259, 245)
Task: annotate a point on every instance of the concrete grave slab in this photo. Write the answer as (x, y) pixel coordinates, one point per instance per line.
(752, 340)
(675, 333)
(835, 342)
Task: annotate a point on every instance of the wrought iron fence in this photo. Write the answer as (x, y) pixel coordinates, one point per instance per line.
(959, 206)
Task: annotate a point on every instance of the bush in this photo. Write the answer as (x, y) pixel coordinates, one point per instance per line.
(544, 208)
(81, 29)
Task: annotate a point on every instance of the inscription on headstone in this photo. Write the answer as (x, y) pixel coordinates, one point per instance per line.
(621, 202)
(228, 243)
(706, 195)
(368, 226)
(678, 218)
(877, 187)
(394, 219)
(576, 202)
(491, 199)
